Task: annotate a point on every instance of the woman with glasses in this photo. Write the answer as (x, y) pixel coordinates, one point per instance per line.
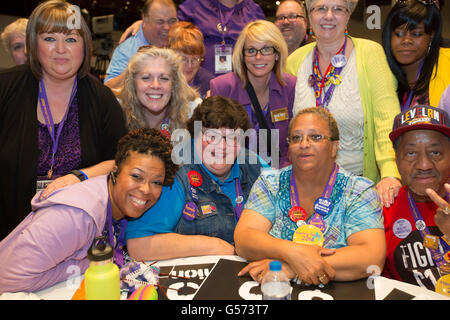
(412, 41)
(321, 221)
(185, 38)
(197, 216)
(350, 77)
(260, 85)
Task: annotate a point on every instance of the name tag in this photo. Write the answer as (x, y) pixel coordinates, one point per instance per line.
(42, 183)
(279, 115)
(223, 55)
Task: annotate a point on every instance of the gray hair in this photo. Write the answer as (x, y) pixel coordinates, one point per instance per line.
(351, 5)
(17, 27)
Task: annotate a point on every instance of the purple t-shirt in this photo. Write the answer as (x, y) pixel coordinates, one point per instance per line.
(68, 154)
(205, 14)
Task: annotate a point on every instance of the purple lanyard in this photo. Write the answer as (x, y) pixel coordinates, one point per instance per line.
(437, 256)
(295, 201)
(117, 243)
(411, 92)
(318, 91)
(45, 107)
(222, 26)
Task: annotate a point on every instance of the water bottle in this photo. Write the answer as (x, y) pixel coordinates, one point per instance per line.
(275, 284)
(102, 280)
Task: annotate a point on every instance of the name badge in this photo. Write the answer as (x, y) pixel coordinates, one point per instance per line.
(222, 58)
(42, 183)
(279, 115)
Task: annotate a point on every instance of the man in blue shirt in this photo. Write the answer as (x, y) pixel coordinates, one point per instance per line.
(197, 216)
(157, 16)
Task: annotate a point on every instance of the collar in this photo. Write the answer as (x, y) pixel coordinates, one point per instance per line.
(141, 37)
(275, 89)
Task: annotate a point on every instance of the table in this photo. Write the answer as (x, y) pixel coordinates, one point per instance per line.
(215, 278)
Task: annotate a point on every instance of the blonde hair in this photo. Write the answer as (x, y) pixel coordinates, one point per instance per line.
(17, 27)
(351, 5)
(181, 95)
(53, 16)
(261, 31)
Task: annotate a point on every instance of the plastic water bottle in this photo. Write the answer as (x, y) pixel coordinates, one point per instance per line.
(102, 280)
(275, 284)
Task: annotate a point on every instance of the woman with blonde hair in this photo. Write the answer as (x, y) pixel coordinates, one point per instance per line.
(155, 93)
(13, 38)
(260, 85)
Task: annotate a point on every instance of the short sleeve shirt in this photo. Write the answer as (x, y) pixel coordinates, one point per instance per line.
(356, 206)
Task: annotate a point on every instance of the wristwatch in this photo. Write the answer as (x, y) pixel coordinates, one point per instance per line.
(79, 174)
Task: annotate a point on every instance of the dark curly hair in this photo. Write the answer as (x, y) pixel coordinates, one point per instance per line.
(148, 141)
(219, 112)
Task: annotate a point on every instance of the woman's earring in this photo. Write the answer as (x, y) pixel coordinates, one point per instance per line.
(346, 32)
(113, 176)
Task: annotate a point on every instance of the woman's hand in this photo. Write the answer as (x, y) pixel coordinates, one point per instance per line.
(59, 183)
(442, 216)
(388, 189)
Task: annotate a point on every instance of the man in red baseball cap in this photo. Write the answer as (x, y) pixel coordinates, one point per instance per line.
(417, 225)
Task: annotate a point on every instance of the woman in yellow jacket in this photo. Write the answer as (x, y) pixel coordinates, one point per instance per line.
(411, 40)
(352, 79)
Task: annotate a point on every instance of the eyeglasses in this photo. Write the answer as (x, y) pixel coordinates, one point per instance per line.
(191, 61)
(337, 11)
(214, 137)
(289, 18)
(265, 51)
(311, 138)
(424, 2)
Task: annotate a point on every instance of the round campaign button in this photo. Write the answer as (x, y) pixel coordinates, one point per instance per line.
(420, 225)
(308, 234)
(166, 133)
(190, 211)
(297, 213)
(323, 206)
(402, 228)
(317, 220)
(195, 179)
(338, 61)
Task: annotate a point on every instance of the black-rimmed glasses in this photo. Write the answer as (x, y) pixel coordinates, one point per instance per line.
(289, 18)
(265, 51)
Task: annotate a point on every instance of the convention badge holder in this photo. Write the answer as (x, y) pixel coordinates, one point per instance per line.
(42, 183)
(223, 58)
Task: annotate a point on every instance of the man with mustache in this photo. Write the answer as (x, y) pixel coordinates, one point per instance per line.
(291, 19)
(417, 225)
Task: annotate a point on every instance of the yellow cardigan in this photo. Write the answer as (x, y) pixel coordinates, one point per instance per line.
(441, 77)
(377, 86)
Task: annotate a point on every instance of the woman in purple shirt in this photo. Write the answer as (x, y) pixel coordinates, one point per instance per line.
(259, 59)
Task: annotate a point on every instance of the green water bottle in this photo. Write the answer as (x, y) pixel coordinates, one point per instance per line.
(102, 278)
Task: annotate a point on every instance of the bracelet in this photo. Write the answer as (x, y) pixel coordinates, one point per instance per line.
(79, 174)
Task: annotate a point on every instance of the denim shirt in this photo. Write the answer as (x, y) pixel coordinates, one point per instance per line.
(220, 222)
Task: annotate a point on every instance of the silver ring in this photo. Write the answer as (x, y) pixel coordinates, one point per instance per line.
(446, 210)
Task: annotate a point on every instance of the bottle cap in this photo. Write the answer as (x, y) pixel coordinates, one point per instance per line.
(100, 250)
(275, 266)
